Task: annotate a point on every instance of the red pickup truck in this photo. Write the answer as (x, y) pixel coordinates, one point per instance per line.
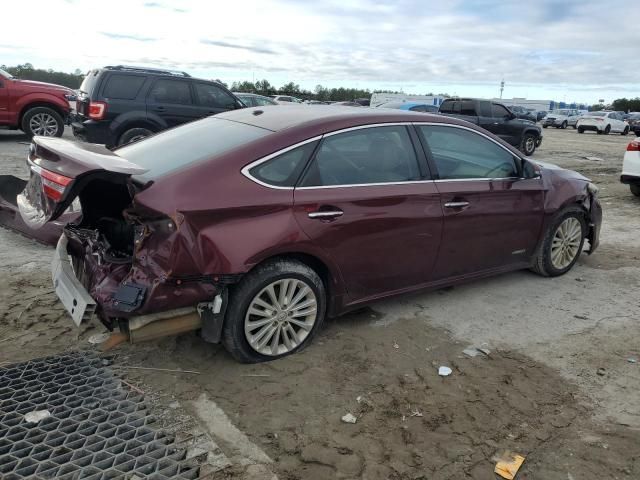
(36, 108)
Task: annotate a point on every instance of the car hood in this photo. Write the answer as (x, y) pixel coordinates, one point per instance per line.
(562, 172)
(44, 85)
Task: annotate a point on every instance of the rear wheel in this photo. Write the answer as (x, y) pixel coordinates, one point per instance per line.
(607, 130)
(42, 121)
(635, 189)
(580, 130)
(528, 145)
(562, 243)
(274, 311)
(575, 126)
(564, 125)
(133, 135)
(625, 131)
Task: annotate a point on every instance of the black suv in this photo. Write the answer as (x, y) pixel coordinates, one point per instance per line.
(121, 104)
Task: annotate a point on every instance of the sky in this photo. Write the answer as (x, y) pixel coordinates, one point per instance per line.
(562, 50)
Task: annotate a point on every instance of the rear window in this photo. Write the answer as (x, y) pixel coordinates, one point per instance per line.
(597, 114)
(89, 82)
(188, 144)
(124, 87)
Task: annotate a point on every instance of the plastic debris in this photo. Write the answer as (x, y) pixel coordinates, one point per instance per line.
(601, 371)
(395, 345)
(349, 418)
(632, 360)
(98, 338)
(595, 159)
(444, 371)
(508, 465)
(36, 416)
(473, 351)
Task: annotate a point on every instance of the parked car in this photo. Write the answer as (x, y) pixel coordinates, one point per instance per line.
(540, 114)
(497, 119)
(573, 120)
(634, 123)
(117, 105)
(413, 106)
(523, 113)
(254, 100)
(36, 108)
(346, 104)
(560, 118)
(631, 167)
(603, 123)
(351, 205)
(285, 99)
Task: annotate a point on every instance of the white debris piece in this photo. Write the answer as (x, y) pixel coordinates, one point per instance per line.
(471, 352)
(36, 416)
(98, 338)
(444, 371)
(349, 418)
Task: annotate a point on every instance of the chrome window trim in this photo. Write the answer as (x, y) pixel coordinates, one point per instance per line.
(245, 170)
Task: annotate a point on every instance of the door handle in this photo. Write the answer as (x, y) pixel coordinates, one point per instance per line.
(159, 109)
(456, 204)
(325, 214)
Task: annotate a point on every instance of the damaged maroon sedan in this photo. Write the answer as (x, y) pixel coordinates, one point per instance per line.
(254, 225)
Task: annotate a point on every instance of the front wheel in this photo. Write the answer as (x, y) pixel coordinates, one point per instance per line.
(625, 131)
(580, 130)
(564, 125)
(42, 121)
(562, 243)
(545, 126)
(528, 145)
(574, 126)
(635, 189)
(274, 311)
(133, 135)
(607, 130)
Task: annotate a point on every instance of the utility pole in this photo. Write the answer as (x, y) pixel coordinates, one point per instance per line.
(501, 87)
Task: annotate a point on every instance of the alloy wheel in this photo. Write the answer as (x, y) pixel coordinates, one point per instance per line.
(529, 145)
(566, 243)
(43, 124)
(280, 317)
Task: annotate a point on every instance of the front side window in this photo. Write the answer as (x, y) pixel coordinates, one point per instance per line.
(459, 153)
(214, 96)
(284, 170)
(261, 101)
(498, 111)
(124, 87)
(171, 91)
(364, 156)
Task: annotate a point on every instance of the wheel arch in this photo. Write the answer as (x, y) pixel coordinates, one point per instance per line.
(40, 103)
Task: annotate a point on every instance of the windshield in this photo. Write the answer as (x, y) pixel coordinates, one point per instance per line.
(597, 114)
(560, 112)
(5, 74)
(187, 144)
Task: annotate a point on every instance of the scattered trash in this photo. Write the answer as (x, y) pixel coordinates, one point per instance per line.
(349, 418)
(508, 465)
(98, 338)
(579, 279)
(416, 413)
(601, 371)
(444, 371)
(581, 317)
(36, 416)
(486, 351)
(395, 345)
(132, 387)
(595, 159)
(632, 360)
(473, 351)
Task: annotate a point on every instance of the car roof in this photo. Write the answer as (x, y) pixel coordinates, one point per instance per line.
(325, 117)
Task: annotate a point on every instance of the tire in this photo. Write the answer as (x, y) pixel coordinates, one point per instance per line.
(543, 263)
(580, 130)
(528, 144)
(253, 287)
(625, 131)
(599, 132)
(42, 121)
(635, 189)
(564, 125)
(607, 130)
(545, 126)
(575, 126)
(134, 135)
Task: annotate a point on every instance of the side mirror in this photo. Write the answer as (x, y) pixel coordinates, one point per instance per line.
(530, 169)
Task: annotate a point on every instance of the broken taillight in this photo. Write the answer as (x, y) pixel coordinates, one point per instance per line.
(634, 146)
(97, 110)
(54, 184)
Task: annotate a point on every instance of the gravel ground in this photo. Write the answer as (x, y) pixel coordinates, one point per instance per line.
(558, 386)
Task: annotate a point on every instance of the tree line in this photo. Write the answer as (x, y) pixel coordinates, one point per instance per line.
(620, 105)
(28, 72)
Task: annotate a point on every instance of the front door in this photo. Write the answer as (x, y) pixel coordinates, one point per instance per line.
(4, 100)
(492, 217)
(171, 100)
(211, 99)
(365, 200)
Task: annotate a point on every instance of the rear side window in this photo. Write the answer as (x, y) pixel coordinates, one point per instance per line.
(468, 108)
(190, 143)
(364, 156)
(450, 107)
(214, 96)
(459, 153)
(125, 87)
(284, 170)
(171, 91)
(89, 82)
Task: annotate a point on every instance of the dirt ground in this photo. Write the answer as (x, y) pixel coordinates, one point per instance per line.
(560, 385)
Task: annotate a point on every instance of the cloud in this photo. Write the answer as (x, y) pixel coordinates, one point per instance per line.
(220, 43)
(123, 36)
(161, 5)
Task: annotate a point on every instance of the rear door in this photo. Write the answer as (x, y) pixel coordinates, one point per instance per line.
(212, 99)
(492, 218)
(367, 203)
(172, 101)
(4, 100)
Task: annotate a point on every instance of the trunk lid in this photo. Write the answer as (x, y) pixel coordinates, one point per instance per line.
(59, 170)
